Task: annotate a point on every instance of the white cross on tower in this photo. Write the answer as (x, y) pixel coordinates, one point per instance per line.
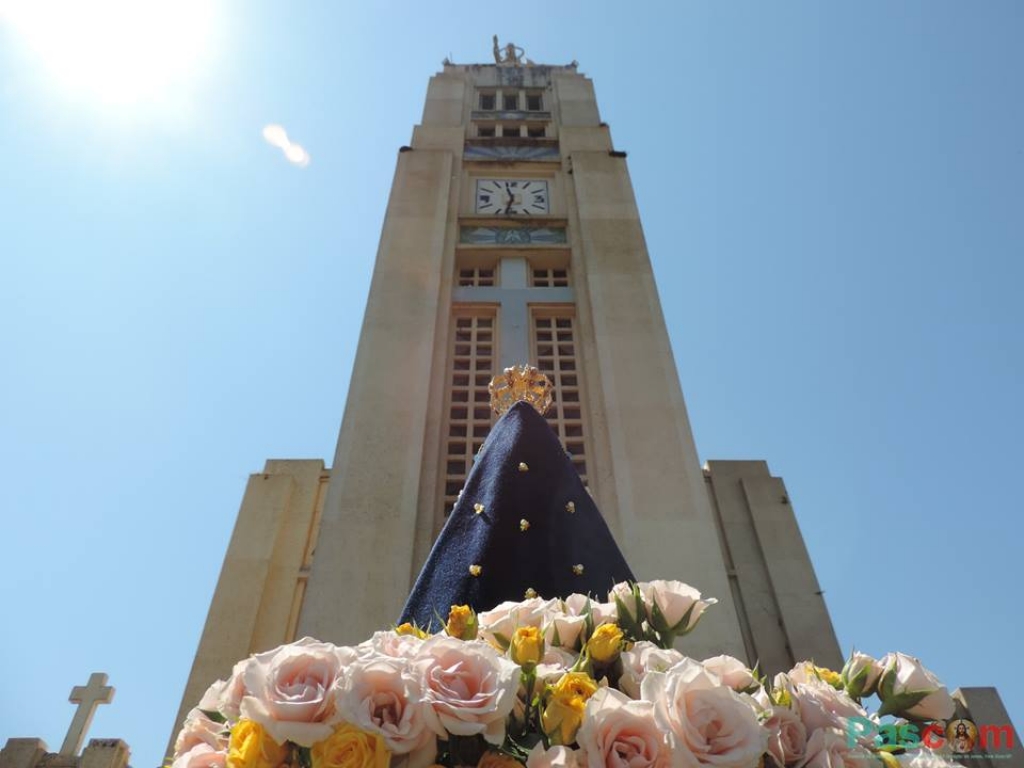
(87, 697)
(515, 297)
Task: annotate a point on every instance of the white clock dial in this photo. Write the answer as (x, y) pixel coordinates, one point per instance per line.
(508, 197)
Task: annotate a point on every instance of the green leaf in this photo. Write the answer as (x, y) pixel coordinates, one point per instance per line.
(658, 620)
(501, 640)
(901, 702)
(629, 625)
(214, 715)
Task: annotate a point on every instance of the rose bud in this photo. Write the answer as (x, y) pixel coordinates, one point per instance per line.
(462, 623)
(605, 644)
(527, 648)
(860, 675)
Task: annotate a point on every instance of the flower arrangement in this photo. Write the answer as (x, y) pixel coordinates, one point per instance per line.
(571, 683)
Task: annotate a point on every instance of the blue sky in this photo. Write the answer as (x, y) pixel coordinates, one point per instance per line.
(833, 201)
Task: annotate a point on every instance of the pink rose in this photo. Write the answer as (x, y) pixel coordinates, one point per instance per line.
(618, 732)
(787, 737)
(469, 688)
(711, 724)
(201, 756)
(822, 706)
(673, 606)
(225, 696)
(828, 748)
(642, 658)
(603, 613)
(381, 695)
(555, 663)
(200, 729)
(624, 600)
(563, 627)
(505, 618)
(903, 681)
(291, 690)
(556, 757)
(925, 758)
(732, 672)
(860, 674)
(389, 643)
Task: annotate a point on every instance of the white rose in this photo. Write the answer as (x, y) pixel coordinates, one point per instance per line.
(711, 724)
(787, 737)
(291, 690)
(902, 684)
(470, 688)
(673, 606)
(860, 674)
(642, 658)
(732, 672)
(381, 695)
(829, 748)
(618, 732)
(556, 757)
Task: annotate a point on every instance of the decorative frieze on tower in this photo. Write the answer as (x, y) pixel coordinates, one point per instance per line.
(512, 235)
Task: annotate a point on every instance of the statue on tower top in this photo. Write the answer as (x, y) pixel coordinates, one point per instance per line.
(513, 56)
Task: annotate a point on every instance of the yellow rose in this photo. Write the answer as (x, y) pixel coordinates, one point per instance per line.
(832, 678)
(461, 622)
(527, 648)
(605, 644)
(251, 747)
(412, 630)
(349, 747)
(563, 712)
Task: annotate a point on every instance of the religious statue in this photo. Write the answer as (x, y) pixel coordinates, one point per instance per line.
(514, 56)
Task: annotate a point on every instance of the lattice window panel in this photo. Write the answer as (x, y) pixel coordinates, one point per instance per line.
(469, 410)
(475, 278)
(555, 345)
(549, 278)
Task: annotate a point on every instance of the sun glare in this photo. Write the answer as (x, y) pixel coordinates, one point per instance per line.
(119, 51)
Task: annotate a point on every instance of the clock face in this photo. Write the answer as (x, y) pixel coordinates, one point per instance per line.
(512, 196)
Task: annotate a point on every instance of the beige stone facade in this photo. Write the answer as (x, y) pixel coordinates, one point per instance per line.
(512, 234)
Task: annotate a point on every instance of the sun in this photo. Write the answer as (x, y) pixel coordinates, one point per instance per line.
(118, 51)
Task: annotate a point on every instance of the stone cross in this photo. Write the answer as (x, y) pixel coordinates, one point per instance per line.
(87, 697)
(515, 297)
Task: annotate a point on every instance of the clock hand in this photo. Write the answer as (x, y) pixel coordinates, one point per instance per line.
(511, 198)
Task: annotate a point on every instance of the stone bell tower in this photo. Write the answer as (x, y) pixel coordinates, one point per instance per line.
(512, 235)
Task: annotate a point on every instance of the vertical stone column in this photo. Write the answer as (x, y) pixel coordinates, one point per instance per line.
(649, 475)
(258, 580)
(780, 605)
(367, 549)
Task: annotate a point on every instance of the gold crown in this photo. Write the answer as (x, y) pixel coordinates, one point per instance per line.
(520, 382)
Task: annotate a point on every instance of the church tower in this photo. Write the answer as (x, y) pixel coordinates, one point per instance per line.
(512, 235)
